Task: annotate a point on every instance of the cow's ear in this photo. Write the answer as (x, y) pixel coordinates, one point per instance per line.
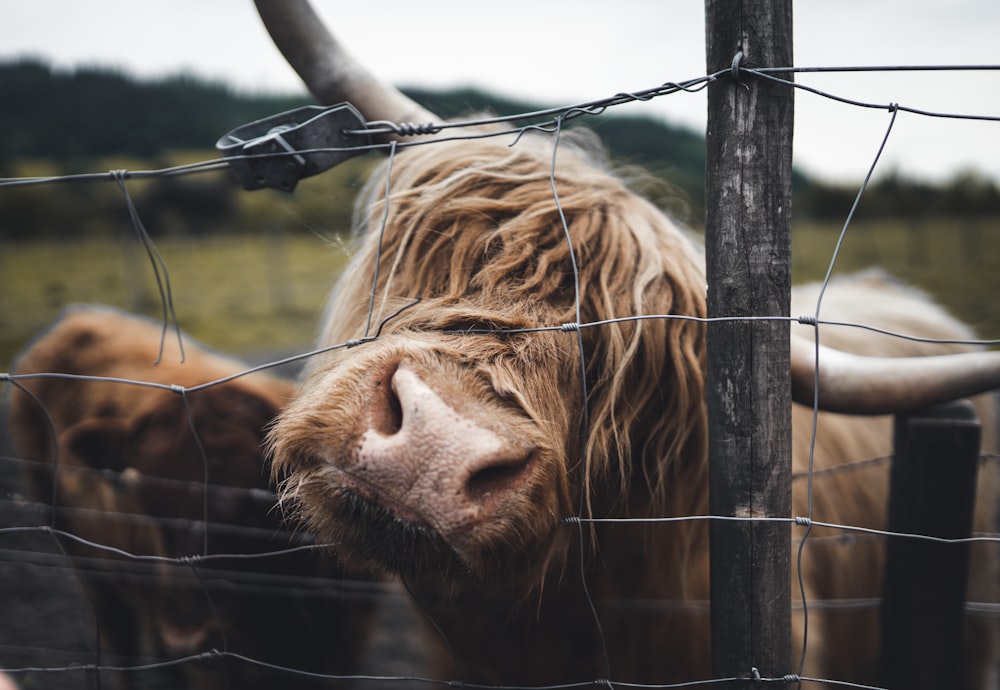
(233, 420)
(237, 406)
(98, 442)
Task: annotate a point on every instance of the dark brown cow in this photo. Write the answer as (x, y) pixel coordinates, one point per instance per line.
(132, 476)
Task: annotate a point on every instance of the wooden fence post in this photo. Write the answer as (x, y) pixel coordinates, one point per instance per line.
(933, 489)
(748, 251)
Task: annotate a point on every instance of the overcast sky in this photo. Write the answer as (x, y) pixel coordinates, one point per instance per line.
(560, 53)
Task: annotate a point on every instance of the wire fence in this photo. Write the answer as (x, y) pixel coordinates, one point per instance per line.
(208, 573)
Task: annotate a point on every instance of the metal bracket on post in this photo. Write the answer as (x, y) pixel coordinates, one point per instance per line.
(280, 150)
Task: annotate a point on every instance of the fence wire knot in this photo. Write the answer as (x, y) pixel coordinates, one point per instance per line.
(803, 521)
(177, 388)
(402, 129)
(569, 327)
(407, 129)
(808, 320)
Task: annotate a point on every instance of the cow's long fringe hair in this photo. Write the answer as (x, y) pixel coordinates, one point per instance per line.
(475, 224)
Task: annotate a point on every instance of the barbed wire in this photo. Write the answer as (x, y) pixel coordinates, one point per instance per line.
(552, 122)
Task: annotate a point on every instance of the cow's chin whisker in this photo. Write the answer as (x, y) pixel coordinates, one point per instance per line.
(400, 546)
(358, 489)
(367, 532)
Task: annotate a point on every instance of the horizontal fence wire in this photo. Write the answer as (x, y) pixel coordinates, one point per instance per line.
(191, 568)
(551, 119)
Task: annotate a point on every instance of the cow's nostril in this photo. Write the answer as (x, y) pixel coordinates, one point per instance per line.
(387, 411)
(499, 476)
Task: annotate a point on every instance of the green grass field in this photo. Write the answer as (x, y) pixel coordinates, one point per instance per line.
(250, 295)
(259, 295)
(955, 260)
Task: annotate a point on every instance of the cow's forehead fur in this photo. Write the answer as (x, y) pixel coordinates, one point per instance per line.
(473, 228)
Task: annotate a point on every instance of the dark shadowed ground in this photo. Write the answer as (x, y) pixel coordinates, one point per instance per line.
(46, 620)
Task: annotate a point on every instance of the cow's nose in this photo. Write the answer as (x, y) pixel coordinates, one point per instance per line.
(436, 458)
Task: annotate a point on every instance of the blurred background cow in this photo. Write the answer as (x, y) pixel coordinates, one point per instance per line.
(147, 471)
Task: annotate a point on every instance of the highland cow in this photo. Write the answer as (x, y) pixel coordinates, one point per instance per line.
(132, 475)
(451, 449)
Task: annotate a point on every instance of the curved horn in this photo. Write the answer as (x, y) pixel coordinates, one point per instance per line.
(331, 74)
(886, 385)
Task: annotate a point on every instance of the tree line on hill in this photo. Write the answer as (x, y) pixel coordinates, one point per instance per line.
(75, 119)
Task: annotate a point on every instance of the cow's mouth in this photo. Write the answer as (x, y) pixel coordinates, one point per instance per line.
(391, 536)
(370, 528)
(366, 492)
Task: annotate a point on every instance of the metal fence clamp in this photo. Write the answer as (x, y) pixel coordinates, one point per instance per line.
(280, 150)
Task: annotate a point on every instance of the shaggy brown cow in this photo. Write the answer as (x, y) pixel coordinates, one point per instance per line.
(450, 449)
(451, 457)
(132, 476)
